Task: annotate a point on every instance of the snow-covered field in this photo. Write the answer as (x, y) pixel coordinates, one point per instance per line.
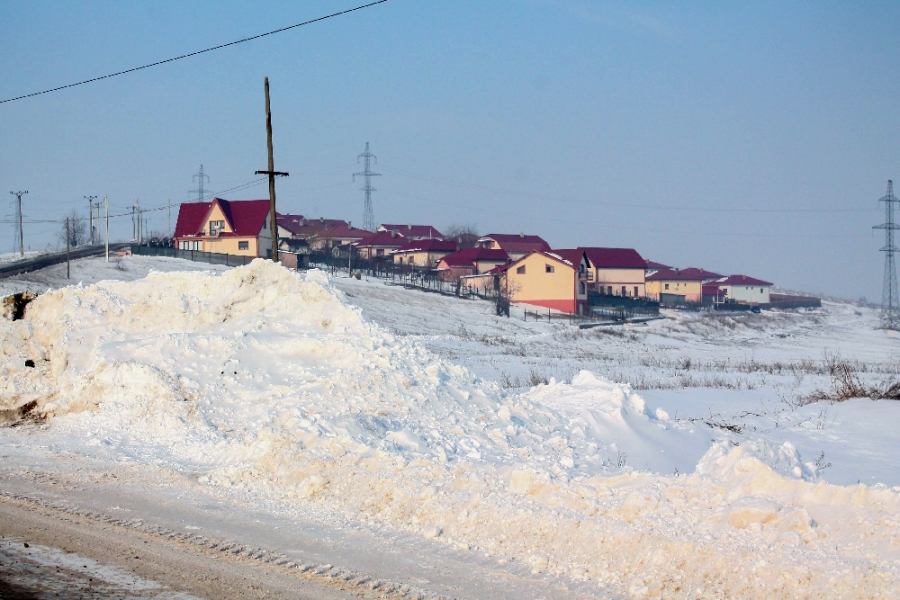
(669, 459)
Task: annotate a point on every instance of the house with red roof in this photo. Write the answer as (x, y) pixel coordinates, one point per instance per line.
(299, 227)
(338, 237)
(423, 253)
(379, 245)
(225, 226)
(470, 261)
(675, 283)
(616, 272)
(546, 279)
(744, 289)
(653, 266)
(516, 245)
(413, 232)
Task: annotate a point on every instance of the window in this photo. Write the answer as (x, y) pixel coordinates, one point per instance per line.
(609, 290)
(760, 290)
(580, 287)
(379, 252)
(520, 270)
(412, 260)
(624, 293)
(636, 291)
(590, 275)
(243, 245)
(667, 286)
(549, 268)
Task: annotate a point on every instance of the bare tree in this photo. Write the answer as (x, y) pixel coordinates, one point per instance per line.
(505, 290)
(465, 234)
(77, 230)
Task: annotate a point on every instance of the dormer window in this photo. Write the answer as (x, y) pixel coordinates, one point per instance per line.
(215, 227)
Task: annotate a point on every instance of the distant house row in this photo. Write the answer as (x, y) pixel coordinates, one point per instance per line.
(524, 267)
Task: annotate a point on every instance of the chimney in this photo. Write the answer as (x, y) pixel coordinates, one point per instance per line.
(393, 233)
(522, 235)
(409, 226)
(349, 225)
(322, 220)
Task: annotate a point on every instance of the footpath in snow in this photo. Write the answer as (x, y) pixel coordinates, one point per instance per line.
(269, 382)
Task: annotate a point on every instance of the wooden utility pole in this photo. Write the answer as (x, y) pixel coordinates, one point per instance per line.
(272, 173)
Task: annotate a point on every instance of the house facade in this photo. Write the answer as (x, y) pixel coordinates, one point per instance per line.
(515, 245)
(238, 227)
(470, 261)
(423, 253)
(338, 237)
(545, 279)
(679, 282)
(378, 245)
(616, 272)
(745, 290)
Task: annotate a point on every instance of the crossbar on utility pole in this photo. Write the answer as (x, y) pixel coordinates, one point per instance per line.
(272, 173)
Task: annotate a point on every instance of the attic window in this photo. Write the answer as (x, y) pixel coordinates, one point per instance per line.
(549, 268)
(520, 270)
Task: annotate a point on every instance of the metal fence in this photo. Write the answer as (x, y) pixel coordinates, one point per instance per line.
(213, 258)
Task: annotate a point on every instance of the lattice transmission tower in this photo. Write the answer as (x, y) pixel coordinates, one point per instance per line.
(890, 301)
(201, 193)
(367, 174)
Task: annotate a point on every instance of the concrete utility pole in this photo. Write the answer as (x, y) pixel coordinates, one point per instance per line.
(19, 217)
(68, 233)
(106, 204)
(272, 173)
(90, 200)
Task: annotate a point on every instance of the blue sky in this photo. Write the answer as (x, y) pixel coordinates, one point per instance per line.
(677, 129)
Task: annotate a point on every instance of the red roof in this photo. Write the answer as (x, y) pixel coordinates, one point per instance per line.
(655, 265)
(413, 231)
(683, 275)
(615, 258)
(343, 232)
(245, 217)
(518, 243)
(712, 289)
(741, 280)
(467, 257)
(551, 255)
(428, 245)
(571, 255)
(190, 218)
(381, 238)
(298, 224)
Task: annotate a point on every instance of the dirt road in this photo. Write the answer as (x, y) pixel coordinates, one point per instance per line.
(48, 553)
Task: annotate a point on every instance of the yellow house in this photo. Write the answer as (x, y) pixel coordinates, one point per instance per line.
(423, 253)
(554, 279)
(616, 272)
(679, 282)
(225, 227)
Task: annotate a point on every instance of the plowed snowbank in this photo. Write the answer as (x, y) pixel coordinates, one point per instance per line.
(267, 381)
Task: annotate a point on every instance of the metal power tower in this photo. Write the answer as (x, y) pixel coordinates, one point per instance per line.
(890, 302)
(367, 174)
(199, 191)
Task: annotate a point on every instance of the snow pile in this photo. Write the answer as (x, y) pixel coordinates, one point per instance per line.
(266, 382)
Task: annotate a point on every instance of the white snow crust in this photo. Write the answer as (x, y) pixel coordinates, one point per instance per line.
(268, 381)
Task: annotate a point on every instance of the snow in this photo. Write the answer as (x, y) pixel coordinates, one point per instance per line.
(274, 385)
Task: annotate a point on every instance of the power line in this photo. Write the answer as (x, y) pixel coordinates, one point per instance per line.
(495, 190)
(168, 60)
